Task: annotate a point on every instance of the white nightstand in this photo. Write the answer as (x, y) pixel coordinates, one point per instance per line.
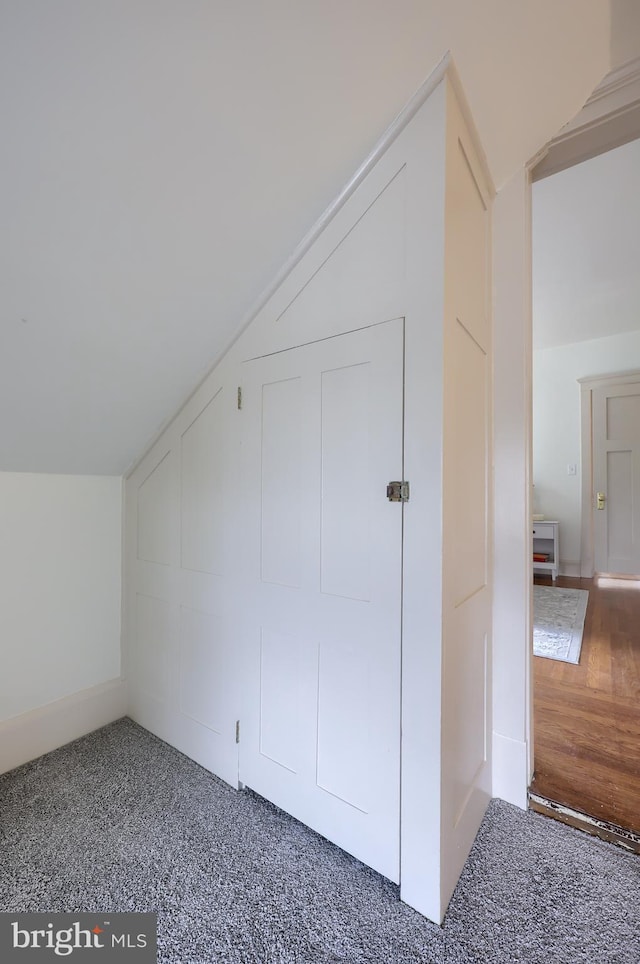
(545, 539)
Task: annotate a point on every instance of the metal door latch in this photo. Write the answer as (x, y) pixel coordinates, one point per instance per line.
(398, 491)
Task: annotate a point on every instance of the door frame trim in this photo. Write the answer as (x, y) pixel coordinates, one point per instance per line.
(609, 119)
(587, 386)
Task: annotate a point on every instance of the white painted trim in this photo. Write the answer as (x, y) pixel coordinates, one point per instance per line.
(587, 384)
(513, 561)
(586, 469)
(528, 287)
(123, 562)
(396, 127)
(510, 770)
(471, 129)
(612, 378)
(610, 118)
(625, 76)
(28, 736)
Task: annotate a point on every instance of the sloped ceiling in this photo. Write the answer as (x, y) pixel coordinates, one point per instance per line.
(586, 225)
(162, 158)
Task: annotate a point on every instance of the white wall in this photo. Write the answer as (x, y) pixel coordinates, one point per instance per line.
(60, 584)
(556, 427)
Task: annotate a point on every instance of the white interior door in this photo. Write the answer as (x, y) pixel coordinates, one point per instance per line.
(320, 725)
(616, 474)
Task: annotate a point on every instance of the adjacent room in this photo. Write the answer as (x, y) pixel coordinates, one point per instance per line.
(586, 449)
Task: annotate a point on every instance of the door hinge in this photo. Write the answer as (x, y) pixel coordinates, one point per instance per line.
(239, 397)
(237, 731)
(398, 491)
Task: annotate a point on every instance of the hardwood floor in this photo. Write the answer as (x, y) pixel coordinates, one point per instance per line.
(587, 717)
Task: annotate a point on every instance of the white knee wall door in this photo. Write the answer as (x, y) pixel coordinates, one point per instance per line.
(286, 625)
(320, 732)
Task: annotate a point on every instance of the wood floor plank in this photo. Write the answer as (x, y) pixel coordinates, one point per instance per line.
(587, 717)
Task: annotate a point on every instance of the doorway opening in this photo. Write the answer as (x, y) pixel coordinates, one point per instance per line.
(586, 325)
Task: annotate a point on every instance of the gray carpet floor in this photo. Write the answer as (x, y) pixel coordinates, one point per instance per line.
(120, 821)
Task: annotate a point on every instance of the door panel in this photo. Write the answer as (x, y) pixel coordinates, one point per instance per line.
(620, 496)
(181, 658)
(345, 396)
(344, 707)
(469, 394)
(320, 726)
(204, 669)
(282, 437)
(616, 472)
(157, 516)
(203, 450)
(280, 698)
(152, 656)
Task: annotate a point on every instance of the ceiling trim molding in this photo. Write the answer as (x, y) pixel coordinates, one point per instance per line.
(609, 119)
(613, 378)
(619, 78)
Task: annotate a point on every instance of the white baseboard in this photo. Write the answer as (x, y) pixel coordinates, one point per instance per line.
(510, 770)
(25, 737)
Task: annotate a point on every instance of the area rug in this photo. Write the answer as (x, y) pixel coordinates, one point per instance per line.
(558, 621)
